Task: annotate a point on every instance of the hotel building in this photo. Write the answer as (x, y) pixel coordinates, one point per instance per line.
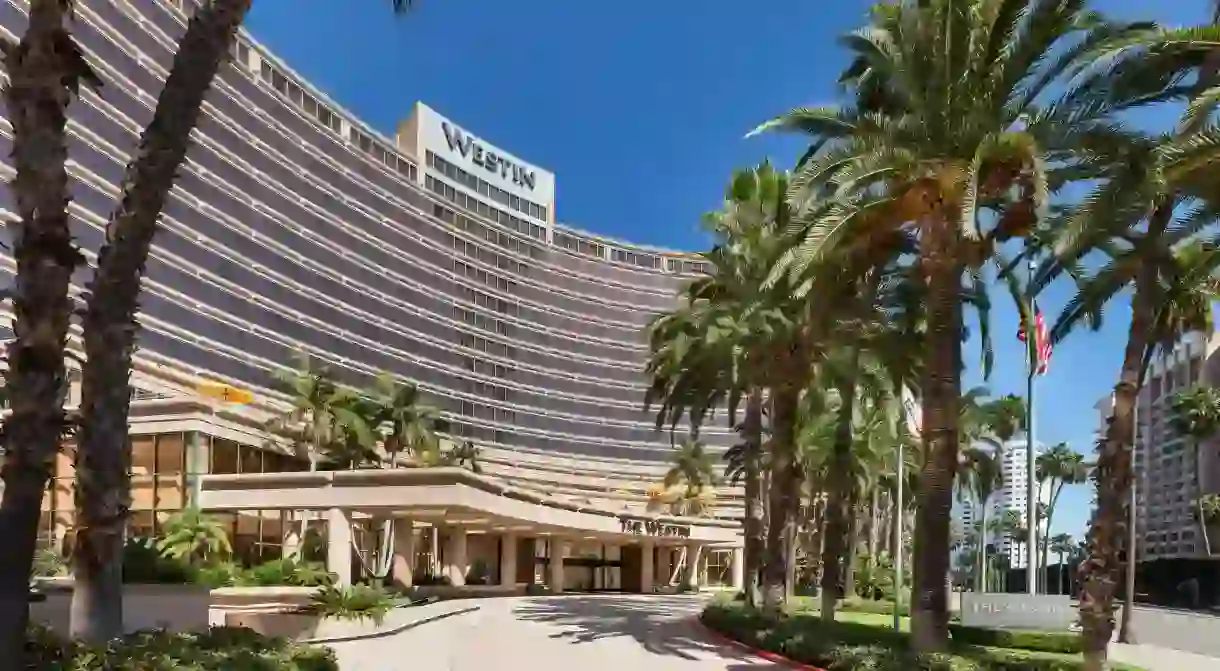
(1164, 462)
(433, 255)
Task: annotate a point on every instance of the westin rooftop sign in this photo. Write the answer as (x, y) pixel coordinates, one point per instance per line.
(466, 145)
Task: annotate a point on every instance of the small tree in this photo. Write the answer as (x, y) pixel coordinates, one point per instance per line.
(193, 537)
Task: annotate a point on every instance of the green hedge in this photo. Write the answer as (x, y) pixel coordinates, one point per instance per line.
(846, 646)
(1041, 641)
(874, 607)
(220, 649)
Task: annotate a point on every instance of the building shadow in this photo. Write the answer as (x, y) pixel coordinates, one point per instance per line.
(661, 624)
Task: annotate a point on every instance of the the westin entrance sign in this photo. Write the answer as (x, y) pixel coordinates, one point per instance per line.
(469, 148)
(1043, 612)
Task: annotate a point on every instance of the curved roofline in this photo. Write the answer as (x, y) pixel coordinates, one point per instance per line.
(392, 144)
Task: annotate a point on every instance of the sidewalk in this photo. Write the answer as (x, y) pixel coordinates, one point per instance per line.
(1154, 658)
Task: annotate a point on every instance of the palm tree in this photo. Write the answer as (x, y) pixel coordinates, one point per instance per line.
(1130, 219)
(1060, 466)
(693, 469)
(194, 537)
(412, 425)
(44, 71)
(1195, 414)
(936, 131)
(1062, 544)
(982, 476)
(320, 408)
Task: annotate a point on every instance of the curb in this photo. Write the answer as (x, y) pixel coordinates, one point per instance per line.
(772, 657)
(389, 632)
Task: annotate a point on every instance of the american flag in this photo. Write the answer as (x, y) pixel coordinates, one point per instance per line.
(1043, 341)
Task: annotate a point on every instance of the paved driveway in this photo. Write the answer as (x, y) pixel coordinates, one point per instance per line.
(568, 633)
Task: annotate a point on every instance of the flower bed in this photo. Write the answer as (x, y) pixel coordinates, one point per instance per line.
(844, 646)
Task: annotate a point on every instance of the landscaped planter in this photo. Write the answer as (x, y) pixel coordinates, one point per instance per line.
(170, 607)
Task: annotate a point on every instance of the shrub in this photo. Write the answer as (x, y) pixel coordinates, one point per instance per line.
(49, 564)
(843, 646)
(1041, 641)
(429, 580)
(220, 649)
(874, 607)
(352, 602)
(143, 563)
(536, 589)
(220, 574)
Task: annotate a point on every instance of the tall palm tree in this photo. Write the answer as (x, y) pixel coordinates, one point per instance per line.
(982, 476)
(1130, 219)
(44, 71)
(1195, 414)
(1059, 466)
(935, 132)
(109, 323)
(1062, 544)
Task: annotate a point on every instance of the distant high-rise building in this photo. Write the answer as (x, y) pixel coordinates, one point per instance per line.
(1011, 496)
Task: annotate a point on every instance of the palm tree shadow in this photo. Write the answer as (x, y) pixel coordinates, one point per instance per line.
(661, 624)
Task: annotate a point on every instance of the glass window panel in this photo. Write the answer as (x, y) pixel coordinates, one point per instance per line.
(171, 494)
(143, 455)
(224, 456)
(171, 453)
(251, 459)
(141, 523)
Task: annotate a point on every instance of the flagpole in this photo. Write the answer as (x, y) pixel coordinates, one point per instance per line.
(1032, 349)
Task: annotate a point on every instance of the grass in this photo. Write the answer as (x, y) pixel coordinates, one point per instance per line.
(867, 640)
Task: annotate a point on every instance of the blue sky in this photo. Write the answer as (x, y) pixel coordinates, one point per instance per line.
(640, 108)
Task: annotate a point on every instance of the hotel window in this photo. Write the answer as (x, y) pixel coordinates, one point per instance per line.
(158, 481)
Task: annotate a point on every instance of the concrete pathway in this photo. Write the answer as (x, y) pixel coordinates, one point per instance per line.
(568, 633)
(1154, 658)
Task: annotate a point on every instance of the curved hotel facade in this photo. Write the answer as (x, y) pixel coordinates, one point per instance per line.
(433, 255)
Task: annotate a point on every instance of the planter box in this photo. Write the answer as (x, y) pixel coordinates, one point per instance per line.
(300, 626)
(171, 607)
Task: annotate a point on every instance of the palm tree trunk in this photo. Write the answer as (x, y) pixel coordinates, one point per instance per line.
(784, 497)
(838, 502)
(874, 522)
(755, 524)
(103, 481)
(941, 401)
(41, 69)
(849, 561)
(1056, 489)
(980, 580)
(1100, 570)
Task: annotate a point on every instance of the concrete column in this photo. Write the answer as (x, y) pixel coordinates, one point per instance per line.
(664, 566)
(198, 460)
(455, 556)
(508, 560)
(292, 538)
(647, 565)
(404, 552)
(339, 544)
(559, 547)
(694, 555)
(738, 568)
(434, 561)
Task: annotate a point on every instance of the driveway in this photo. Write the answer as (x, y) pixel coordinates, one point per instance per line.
(567, 633)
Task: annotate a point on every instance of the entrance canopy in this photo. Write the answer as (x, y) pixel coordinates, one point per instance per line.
(453, 496)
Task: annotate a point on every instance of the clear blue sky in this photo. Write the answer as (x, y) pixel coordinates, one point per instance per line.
(639, 108)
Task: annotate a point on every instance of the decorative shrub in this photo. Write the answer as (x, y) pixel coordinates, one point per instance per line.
(220, 649)
(844, 646)
(143, 563)
(1042, 641)
(352, 602)
(220, 574)
(49, 564)
(536, 589)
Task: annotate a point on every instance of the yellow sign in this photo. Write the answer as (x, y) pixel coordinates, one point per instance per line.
(226, 393)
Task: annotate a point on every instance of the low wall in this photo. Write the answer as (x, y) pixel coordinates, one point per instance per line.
(171, 607)
(464, 591)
